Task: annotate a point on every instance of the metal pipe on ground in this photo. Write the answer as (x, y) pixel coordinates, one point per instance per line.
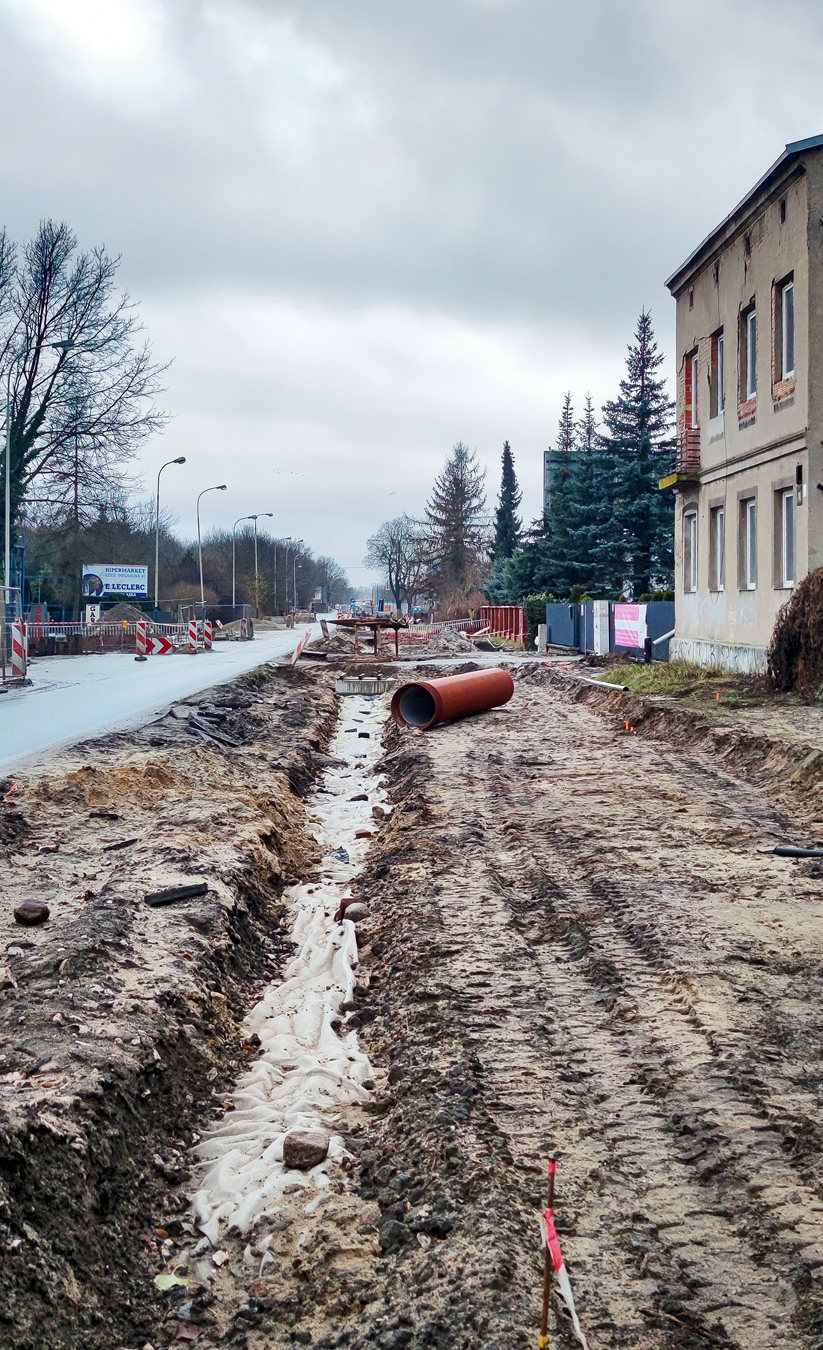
(424, 703)
(602, 684)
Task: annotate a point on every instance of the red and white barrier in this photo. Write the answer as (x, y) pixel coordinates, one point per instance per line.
(301, 644)
(192, 635)
(142, 630)
(207, 635)
(552, 1241)
(244, 628)
(19, 651)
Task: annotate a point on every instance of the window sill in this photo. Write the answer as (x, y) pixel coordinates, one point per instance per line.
(717, 590)
(783, 389)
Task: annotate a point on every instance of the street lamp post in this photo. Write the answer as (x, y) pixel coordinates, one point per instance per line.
(288, 540)
(256, 601)
(234, 555)
(181, 460)
(220, 487)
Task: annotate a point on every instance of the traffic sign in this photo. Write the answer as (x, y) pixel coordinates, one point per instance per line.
(157, 645)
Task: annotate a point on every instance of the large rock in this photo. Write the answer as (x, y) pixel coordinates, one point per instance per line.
(31, 912)
(305, 1148)
(356, 912)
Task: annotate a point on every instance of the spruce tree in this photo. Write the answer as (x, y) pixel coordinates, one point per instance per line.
(507, 523)
(544, 563)
(592, 547)
(455, 519)
(637, 451)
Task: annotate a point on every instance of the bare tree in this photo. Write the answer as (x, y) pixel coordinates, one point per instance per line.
(79, 379)
(399, 550)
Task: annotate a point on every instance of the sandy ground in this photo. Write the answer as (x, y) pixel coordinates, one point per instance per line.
(579, 945)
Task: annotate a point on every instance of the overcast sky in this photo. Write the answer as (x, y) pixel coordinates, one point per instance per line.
(365, 229)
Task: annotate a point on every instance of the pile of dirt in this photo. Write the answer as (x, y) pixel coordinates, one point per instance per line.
(448, 642)
(119, 1020)
(123, 612)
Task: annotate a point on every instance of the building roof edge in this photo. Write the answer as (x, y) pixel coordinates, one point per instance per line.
(791, 151)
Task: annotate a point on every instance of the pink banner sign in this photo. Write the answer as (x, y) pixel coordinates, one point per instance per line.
(629, 625)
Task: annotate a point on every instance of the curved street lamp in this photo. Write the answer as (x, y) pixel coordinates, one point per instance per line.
(234, 553)
(181, 460)
(220, 487)
(269, 514)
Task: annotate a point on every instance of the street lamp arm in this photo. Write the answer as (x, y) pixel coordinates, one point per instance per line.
(181, 459)
(219, 487)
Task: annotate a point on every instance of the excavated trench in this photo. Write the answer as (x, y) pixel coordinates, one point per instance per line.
(576, 943)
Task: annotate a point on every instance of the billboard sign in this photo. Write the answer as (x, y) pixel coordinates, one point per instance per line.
(109, 579)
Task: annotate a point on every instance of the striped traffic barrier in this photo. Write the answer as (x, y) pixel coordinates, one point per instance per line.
(192, 635)
(207, 635)
(142, 630)
(19, 651)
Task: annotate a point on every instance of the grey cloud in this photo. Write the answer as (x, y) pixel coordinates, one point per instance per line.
(503, 177)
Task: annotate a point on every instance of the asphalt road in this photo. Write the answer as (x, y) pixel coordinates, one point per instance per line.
(73, 697)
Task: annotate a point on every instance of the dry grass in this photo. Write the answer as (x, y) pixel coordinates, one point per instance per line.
(663, 677)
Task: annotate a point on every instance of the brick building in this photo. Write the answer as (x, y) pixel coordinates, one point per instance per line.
(749, 470)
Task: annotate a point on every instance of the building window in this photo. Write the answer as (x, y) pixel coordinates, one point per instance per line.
(787, 330)
(783, 350)
(748, 510)
(750, 354)
(717, 549)
(693, 373)
(782, 210)
(787, 568)
(690, 551)
(717, 386)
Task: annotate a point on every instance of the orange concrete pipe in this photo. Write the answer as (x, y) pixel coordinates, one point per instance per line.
(426, 702)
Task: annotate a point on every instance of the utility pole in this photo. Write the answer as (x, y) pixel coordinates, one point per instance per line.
(221, 487)
(256, 593)
(181, 460)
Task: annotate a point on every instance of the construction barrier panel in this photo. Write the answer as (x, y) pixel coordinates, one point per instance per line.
(506, 621)
(19, 651)
(207, 635)
(142, 630)
(192, 635)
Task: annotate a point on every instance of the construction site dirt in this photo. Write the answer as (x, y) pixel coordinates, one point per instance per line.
(578, 944)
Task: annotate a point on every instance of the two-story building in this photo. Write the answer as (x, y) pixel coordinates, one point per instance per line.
(749, 470)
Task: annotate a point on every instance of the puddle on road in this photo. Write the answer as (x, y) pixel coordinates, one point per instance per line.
(306, 1074)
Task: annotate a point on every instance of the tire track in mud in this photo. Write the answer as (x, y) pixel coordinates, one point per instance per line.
(598, 997)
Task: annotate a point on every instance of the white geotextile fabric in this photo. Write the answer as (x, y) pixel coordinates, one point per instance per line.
(305, 1072)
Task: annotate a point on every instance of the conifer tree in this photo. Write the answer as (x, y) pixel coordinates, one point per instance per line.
(593, 553)
(455, 512)
(507, 523)
(637, 450)
(544, 564)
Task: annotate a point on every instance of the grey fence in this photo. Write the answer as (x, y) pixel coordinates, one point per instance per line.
(572, 625)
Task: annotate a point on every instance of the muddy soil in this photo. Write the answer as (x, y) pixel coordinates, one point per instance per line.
(119, 1020)
(578, 946)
